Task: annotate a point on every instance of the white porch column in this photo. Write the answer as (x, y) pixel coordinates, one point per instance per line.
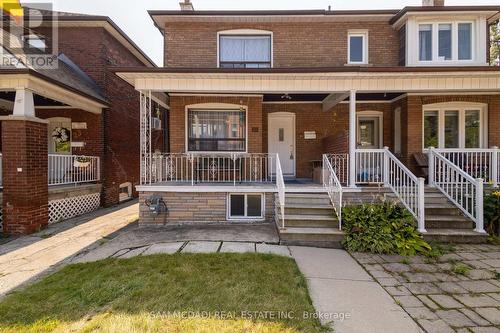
(145, 134)
(24, 105)
(352, 138)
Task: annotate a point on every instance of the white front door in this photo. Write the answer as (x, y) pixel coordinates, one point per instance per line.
(369, 132)
(281, 140)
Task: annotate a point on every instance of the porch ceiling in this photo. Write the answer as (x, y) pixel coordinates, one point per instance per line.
(40, 101)
(270, 98)
(316, 80)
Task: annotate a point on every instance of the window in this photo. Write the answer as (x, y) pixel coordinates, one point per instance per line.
(245, 206)
(454, 125)
(35, 42)
(247, 51)
(464, 41)
(443, 42)
(216, 130)
(425, 42)
(358, 48)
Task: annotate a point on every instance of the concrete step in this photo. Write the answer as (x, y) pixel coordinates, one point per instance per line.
(309, 209)
(311, 221)
(454, 236)
(448, 222)
(316, 237)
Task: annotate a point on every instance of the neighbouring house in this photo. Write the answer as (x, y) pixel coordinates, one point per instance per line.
(70, 141)
(288, 115)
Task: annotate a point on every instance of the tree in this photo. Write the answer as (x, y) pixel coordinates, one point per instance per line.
(495, 44)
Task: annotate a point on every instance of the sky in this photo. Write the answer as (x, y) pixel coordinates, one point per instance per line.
(132, 16)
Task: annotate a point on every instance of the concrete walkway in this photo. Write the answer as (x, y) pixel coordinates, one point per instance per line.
(27, 258)
(344, 293)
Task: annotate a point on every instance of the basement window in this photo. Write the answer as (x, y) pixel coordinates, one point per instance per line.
(245, 206)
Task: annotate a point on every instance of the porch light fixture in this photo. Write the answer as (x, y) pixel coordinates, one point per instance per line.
(287, 97)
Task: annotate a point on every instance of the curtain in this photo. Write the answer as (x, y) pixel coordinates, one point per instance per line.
(425, 42)
(245, 48)
(464, 41)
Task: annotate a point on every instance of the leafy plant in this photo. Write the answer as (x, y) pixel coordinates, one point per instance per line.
(382, 228)
(460, 269)
(492, 213)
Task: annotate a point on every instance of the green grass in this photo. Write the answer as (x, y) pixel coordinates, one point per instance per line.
(154, 294)
(460, 269)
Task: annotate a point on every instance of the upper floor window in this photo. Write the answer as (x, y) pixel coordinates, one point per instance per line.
(36, 42)
(358, 47)
(245, 51)
(441, 42)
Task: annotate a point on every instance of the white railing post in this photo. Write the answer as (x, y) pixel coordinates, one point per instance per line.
(385, 167)
(421, 205)
(431, 166)
(495, 166)
(479, 207)
(280, 184)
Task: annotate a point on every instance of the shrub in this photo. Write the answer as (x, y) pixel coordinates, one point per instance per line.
(492, 213)
(382, 228)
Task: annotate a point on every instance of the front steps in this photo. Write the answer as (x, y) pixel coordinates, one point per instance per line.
(445, 223)
(311, 221)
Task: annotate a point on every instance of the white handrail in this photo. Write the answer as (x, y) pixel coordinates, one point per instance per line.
(458, 186)
(478, 163)
(72, 169)
(334, 188)
(407, 187)
(280, 184)
(340, 164)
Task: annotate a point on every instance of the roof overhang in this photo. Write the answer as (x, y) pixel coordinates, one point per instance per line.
(400, 79)
(33, 81)
(110, 27)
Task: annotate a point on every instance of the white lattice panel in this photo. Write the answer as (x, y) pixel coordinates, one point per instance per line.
(67, 208)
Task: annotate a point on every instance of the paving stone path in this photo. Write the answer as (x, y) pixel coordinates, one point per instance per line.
(459, 292)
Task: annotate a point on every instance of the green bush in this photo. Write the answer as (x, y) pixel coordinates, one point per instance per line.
(382, 228)
(492, 213)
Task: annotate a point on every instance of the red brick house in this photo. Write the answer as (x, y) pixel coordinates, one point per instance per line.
(70, 141)
(287, 116)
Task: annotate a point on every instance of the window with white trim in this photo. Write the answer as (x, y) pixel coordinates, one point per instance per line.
(454, 126)
(245, 51)
(357, 47)
(445, 41)
(245, 206)
(216, 130)
(35, 42)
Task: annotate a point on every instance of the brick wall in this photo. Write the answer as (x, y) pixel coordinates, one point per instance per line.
(308, 44)
(193, 208)
(25, 195)
(177, 119)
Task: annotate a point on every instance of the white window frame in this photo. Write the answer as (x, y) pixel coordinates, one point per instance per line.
(215, 107)
(364, 35)
(454, 42)
(33, 37)
(246, 218)
(371, 114)
(461, 107)
(245, 32)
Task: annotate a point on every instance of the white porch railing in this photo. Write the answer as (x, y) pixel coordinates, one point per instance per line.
(380, 166)
(460, 187)
(409, 188)
(73, 169)
(333, 186)
(370, 166)
(340, 164)
(478, 163)
(280, 184)
(213, 168)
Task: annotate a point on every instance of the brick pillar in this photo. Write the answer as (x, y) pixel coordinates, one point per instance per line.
(24, 162)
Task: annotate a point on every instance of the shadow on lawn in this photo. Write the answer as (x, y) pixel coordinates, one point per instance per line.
(230, 292)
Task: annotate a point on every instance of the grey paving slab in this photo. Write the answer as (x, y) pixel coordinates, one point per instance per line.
(490, 314)
(163, 248)
(473, 300)
(134, 253)
(328, 263)
(347, 291)
(201, 247)
(279, 250)
(436, 326)
(455, 318)
(234, 247)
(446, 302)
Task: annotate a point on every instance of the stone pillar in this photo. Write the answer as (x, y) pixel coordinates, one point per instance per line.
(24, 166)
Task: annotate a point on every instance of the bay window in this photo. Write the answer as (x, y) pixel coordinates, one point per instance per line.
(245, 51)
(454, 126)
(441, 42)
(216, 130)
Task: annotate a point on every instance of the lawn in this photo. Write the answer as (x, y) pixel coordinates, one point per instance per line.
(166, 293)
